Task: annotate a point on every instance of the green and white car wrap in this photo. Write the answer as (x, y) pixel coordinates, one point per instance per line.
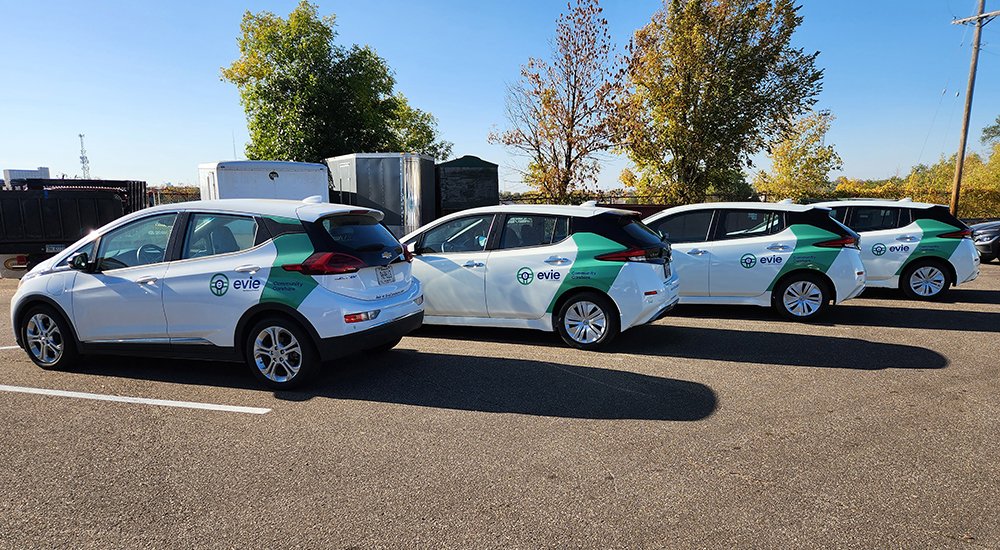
(746, 266)
(198, 302)
(887, 253)
(522, 287)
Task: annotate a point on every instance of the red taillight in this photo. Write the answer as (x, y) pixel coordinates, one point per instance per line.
(963, 234)
(363, 316)
(327, 263)
(628, 255)
(846, 242)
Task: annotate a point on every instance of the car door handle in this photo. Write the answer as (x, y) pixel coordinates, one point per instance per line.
(557, 260)
(471, 263)
(147, 280)
(247, 269)
(778, 247)
(697, 252)
(907, 238)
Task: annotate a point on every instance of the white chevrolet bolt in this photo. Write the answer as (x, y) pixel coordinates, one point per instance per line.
(280, 285)
(585, 272)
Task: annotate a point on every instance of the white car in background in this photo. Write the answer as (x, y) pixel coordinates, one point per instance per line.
(586, 272)
(793, 257)
(918, 247)
(282, 285)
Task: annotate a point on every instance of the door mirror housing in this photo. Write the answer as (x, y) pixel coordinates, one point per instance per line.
(79, 261)
(412, 247)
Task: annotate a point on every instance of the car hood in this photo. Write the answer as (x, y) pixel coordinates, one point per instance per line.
(994, 225)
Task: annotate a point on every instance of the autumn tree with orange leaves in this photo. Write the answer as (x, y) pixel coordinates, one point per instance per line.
(558, 112)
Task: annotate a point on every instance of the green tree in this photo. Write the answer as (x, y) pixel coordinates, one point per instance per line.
(801, 162)
(307, 98)
(558, 112)
(991, 133)
(710, 83)
(415, 131)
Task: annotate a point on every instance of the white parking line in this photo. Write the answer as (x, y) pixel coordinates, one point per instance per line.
(139, 400)
(10, 347)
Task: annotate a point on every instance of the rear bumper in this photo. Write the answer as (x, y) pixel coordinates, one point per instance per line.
(341, 346)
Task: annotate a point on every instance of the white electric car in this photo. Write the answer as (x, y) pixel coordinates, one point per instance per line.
(918, 247)
(586, 272)
(793, 257)
(281, 285)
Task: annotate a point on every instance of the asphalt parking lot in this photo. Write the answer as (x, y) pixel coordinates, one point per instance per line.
(717, 427)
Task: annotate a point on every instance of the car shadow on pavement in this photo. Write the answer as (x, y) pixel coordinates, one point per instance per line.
(482, 384)
(514, 386)
(953, 296)
(774, 348)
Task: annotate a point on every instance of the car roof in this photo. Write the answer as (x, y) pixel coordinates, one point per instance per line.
(583, 211)
(904, 203)
(776, 206)
(305, 210)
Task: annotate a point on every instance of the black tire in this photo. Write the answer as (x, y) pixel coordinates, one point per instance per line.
(801, 297)
(987, 258)
(588, 321)
(280, 354)
(385, 347)
(925, 280)
(48, 339)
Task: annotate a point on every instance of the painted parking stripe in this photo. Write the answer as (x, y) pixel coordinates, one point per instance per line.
(10, 347)
(138, 400)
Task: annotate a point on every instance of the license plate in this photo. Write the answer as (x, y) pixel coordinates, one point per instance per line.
(385, 275)
(666, 270)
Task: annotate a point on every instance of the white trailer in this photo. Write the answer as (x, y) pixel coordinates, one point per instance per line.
(262, 179)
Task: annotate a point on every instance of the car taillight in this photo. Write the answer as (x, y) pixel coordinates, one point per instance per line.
(627, 255)
(963, 234)
(846, 242)
(363, 316)
(327, 263)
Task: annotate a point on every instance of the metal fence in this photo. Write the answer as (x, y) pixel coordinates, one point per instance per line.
(169, 195)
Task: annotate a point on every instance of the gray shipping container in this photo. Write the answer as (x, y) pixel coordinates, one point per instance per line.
(399, 184)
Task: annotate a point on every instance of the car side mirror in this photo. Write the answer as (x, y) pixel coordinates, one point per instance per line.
(412, 247)
(79, 261)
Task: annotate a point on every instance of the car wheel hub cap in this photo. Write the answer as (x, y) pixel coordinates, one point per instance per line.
(277, 354)
(45, 342)
(585, 322)
(803, 298)
(927, 281)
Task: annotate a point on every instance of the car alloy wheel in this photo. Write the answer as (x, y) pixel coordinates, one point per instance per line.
(279, 353)
(802, 298)
(44, 339)
(47, 338)
(927, 281)
(587, 321)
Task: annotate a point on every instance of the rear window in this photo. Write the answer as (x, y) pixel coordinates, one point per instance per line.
(628, 230)
(358, 235)
(642, 234)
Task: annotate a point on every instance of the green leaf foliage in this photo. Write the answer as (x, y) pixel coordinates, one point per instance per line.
(801, 161)
(711, 83)
(307, 98)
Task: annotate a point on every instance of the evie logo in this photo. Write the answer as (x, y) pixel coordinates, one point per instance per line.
(775, 260)
(550, 275)
(900, 248)
(246, 284)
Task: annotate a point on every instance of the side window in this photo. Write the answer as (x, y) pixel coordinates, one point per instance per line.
(741, 224)
(521, 231)
(839, 213)
(689, 227)
(461, 235)
(211, 234)
(873, 218)
(141, 242)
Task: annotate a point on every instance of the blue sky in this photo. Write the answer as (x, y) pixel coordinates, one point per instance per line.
(141, 79)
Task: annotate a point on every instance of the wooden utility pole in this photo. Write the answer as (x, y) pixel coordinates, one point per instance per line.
(980, 19)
